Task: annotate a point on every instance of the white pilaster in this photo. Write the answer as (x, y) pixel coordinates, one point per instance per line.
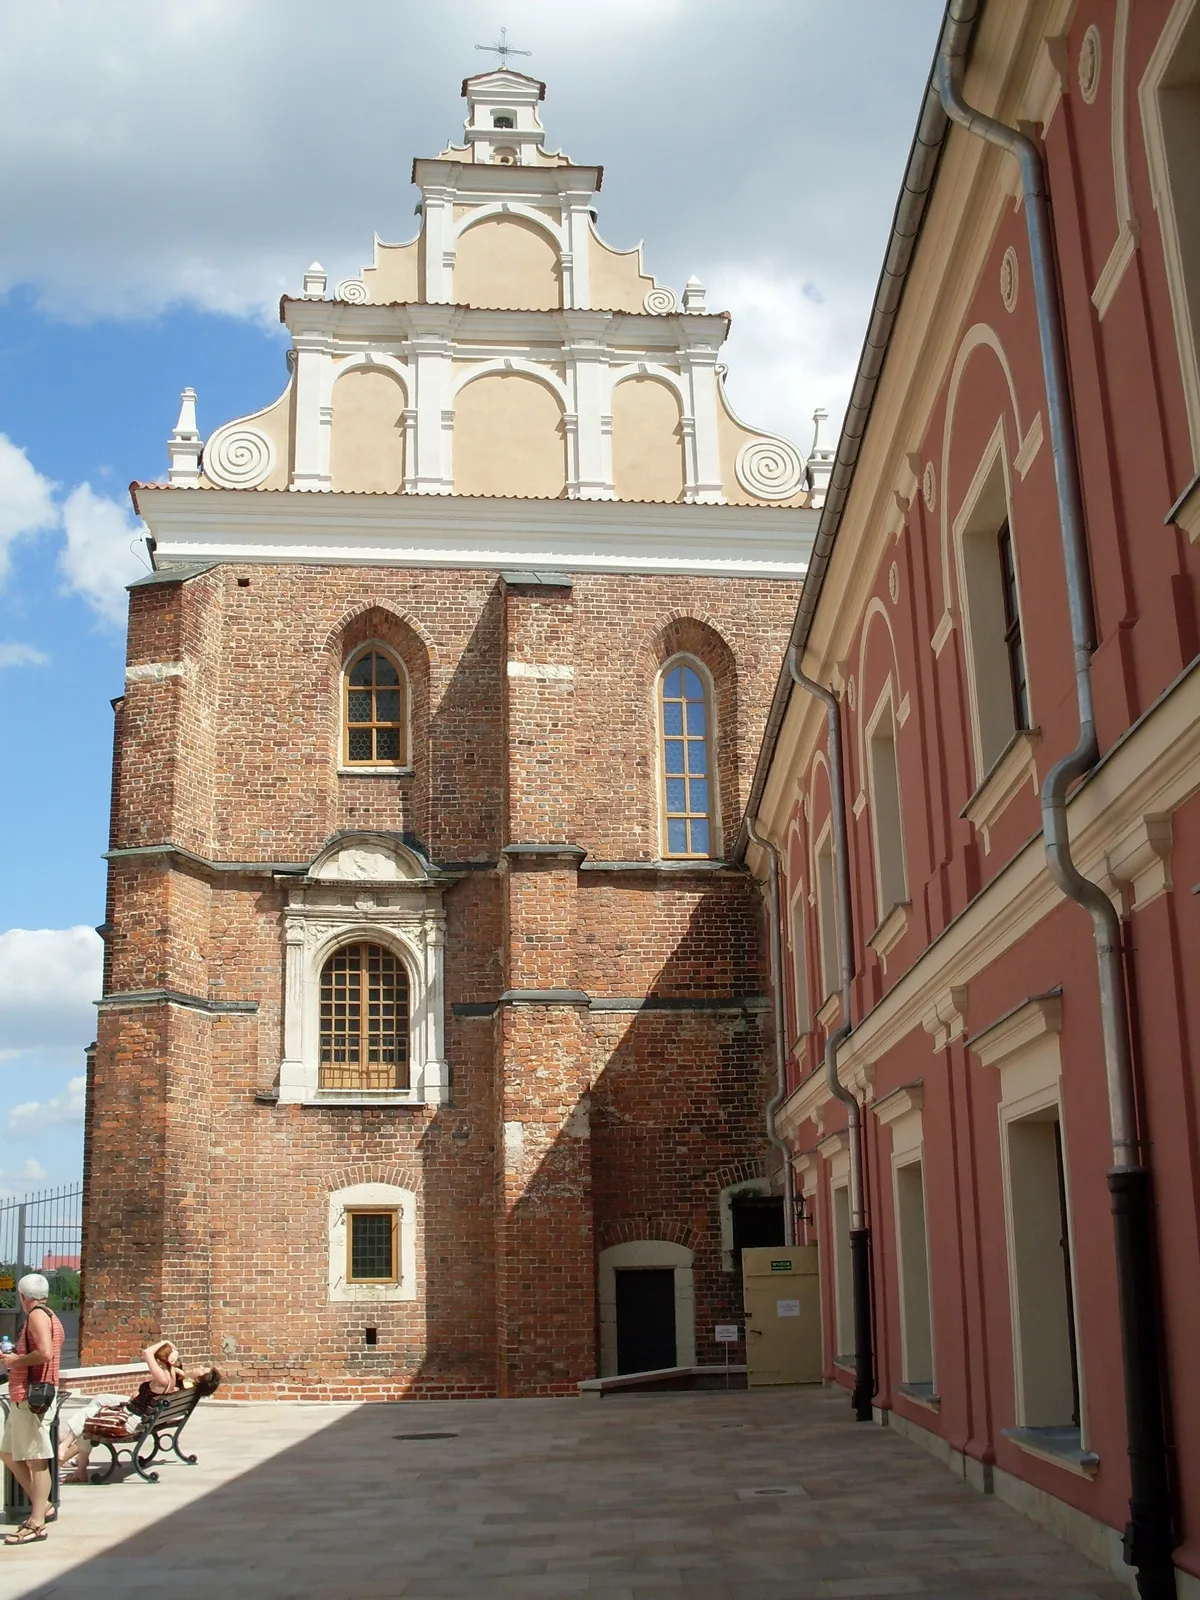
(429, 355)
(576, 226)
(588, 379)
(314, 400)
(699, 366)
(436, 1076)
(438, 242)
(293, 1079)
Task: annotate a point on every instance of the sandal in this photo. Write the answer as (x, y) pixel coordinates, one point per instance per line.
(27, 1534)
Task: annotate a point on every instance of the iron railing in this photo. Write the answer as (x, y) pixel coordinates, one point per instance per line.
(43, 1233)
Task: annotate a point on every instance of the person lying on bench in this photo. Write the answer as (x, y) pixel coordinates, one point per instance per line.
(166, 1377)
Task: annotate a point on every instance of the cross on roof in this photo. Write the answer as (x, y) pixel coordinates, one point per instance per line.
(503, 49)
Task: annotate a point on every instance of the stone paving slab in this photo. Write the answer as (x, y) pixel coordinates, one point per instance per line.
(638, 1497)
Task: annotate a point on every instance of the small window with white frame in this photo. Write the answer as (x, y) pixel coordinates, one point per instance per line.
(886, 819)
(827, 913)
(990, 586)
(1169, 94)
(799, 962)
(372, 1241)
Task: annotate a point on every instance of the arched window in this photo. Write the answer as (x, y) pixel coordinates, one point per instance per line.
(364, 1021)
(687, 791)
(375, 711)
(503, 119)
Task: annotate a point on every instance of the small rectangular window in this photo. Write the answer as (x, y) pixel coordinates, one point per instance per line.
(885, 813)
(826, 916)
(843, 1276)
(371, 1247)
(800, 966)
(1041, 1263)
(915, 1323)
(1012, 630)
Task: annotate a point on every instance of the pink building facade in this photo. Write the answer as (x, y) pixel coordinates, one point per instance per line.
(937, 611)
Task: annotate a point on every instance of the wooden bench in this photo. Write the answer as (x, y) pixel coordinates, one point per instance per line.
(169, 1416)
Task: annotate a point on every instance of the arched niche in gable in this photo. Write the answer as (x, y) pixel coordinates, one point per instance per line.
(509, 438)
(647, 441)
(507, 263)
(366, 446)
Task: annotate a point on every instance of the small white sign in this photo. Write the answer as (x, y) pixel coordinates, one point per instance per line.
(727, 1333)
(787, 1308)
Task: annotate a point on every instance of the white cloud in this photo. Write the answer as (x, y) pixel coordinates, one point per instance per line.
(100, 555)
(26, 500)
(34, 1116)
(49, 978)
(21, 655)
(792, 347)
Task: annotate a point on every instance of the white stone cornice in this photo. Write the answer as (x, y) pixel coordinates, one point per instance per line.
(480, 532)
(946, 1018)
(900, 1103)
(1039, 1015)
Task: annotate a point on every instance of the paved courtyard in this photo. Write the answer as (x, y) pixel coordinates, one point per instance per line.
(764, 1496)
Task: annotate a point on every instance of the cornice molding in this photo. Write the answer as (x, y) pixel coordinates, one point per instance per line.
(457, 531)
(1039, 1015)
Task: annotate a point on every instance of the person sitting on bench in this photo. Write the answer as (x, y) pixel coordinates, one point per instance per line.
(166, 1377)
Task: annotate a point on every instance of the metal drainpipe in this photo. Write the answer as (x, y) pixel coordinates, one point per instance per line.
(860, 1233)
(1148, 1535)
(780, 1095)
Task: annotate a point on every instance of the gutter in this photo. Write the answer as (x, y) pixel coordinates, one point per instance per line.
(909, 215)
(1149, 1534)
(776, 1101)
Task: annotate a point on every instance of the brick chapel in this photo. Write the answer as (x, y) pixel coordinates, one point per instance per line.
(435, 1040)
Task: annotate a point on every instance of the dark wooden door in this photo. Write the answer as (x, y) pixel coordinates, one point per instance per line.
(645, 1319)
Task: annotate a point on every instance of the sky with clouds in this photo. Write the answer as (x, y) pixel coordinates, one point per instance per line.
(168, 168)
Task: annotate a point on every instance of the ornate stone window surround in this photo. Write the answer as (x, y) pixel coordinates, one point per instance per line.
(364, 887)
(372, 1197)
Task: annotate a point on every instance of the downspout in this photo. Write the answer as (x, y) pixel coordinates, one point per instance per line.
(1148, 1535)
(860, 1233)
(776, 1101)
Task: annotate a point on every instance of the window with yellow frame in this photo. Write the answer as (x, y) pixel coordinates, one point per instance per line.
(372, 1246)
(374, 711)
(685, 768)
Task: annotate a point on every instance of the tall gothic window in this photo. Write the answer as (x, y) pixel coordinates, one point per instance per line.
(364, 1020)
(375, 711)
(687, 786)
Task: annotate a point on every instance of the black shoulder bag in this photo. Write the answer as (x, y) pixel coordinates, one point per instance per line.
(40, 1396)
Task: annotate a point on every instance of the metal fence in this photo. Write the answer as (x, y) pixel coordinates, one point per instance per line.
(44, 1233)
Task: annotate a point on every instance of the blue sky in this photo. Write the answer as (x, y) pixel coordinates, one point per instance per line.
(167, 169)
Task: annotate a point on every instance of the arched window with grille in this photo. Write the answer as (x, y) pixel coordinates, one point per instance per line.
(686, 776)
(375, 710)
(364, 1021)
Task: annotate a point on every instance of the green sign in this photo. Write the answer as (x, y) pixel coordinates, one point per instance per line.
(781, 1266)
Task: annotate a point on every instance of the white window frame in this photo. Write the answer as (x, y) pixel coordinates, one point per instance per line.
(1025, 1047)
(826, 898)
(372, 1197)
(993, 460)
(1187, 326)
(798, 940)
(885, 903)
(364, 887)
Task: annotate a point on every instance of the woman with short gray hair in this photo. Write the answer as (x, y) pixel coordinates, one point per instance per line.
(26, 1447)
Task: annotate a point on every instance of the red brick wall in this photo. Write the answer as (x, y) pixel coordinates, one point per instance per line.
(207, 1208)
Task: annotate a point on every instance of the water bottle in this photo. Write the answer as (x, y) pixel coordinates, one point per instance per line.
(6, 1346)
